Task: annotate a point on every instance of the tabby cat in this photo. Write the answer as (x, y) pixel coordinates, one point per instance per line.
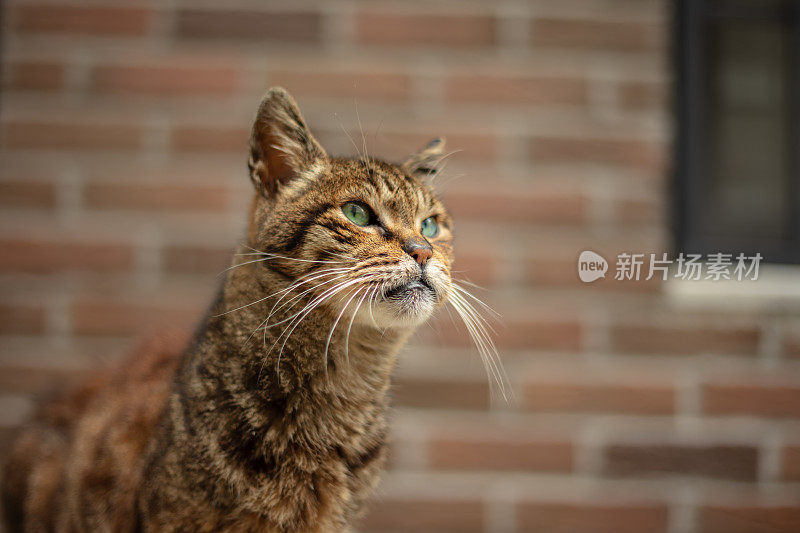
(274, 417)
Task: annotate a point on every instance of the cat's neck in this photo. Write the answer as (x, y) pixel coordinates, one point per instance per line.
(270, 325)
(264, 357)
(314, 422)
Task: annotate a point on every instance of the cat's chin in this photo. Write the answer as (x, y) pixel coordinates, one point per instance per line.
(407, 306)
(393, 317)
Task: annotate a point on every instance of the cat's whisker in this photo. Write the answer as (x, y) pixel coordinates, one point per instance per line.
(297, 297)
(363, 137)
(441, 163)
(373, 300)
(444, 179)
(243, 264)
(477, 321)
(271, 255)
(327, 251)
(329, 293)
(378, 130)
(335, 323)
(470, 283)
(358, 152)
(265, 324)
(285, 289)
(477, 327)
(480, 302)
(350, 326)
(300, 315)
(494, 359)
(274, 256)
(477, 340)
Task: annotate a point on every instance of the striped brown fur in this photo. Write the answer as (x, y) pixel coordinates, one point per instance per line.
(266, 420)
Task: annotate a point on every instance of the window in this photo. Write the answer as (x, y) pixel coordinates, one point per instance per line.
(737, 182)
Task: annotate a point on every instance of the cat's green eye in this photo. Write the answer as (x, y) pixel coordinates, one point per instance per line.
(430, 228)
(357, 213)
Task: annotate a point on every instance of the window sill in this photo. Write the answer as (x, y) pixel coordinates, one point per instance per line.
(776, 289)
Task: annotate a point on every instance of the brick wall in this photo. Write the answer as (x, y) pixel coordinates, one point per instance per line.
(122, 189)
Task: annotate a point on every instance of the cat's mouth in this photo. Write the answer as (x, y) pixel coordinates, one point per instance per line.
(408, 303)
(413, 289)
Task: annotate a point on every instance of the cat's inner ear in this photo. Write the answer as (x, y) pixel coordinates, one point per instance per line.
(426, 161)
(281, 145)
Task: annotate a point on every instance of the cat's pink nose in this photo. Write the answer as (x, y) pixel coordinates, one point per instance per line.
(421, 251)
(421, 255)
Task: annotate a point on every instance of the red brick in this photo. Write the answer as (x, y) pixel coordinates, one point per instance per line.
(545, 334)
(373, 27)
(642, 95)
(678, 340)
(515, 90)
(557, 517)
(173, 80)
(279, 26)
(791, 463)
(734, 462)
(36, 75)
(623, 152)
(791, 346)
(554, 272)
(563, 272)
(636, 211)
(18, 255)
(475, 266)
(27, 194)
(595, 34)
(601, 397)
(196, 259)
(210, 139)
(25, 319)
(548, 334)
(345, 83)
(117, 318)
(510, 205)
(97, 20)
(505, 451)
(36, 380)
(749, 519)
(751, 399)
(72, 136)
(156, 197)
(424, 515)
(441, 394)
(469, 145)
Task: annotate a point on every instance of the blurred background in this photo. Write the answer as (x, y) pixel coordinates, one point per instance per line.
(639, 126)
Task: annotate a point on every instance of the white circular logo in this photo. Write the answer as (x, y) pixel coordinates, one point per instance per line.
(591, 266)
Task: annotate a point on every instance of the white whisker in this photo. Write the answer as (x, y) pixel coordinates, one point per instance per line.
(478, 329)
(335, 323)
(329, 293)
(350, 326)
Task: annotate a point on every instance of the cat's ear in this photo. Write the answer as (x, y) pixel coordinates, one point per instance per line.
(424, 162)
(281, 145)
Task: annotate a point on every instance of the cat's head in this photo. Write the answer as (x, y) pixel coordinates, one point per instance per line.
(368, 237)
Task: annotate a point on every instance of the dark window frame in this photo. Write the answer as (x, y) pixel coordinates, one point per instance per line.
(691, 62)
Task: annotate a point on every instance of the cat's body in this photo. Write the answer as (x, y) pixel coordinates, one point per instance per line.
(273, 417)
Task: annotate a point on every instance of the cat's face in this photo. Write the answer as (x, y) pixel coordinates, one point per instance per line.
(363, 237)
